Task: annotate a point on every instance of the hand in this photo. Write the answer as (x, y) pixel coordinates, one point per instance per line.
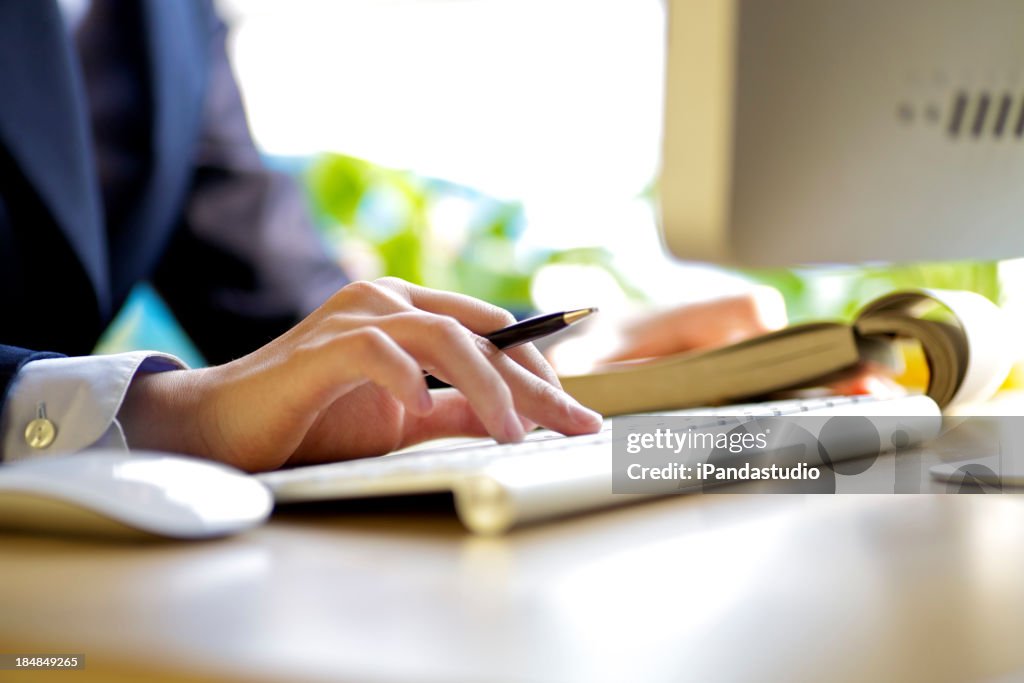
(703, 325)
(348, 382)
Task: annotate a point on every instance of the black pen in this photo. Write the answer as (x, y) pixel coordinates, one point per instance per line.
(526, 331)
(530, 329)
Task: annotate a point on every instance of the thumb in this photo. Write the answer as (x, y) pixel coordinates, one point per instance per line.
(452, 415)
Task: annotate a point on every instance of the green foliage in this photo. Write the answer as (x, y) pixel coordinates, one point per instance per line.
(590, 256)
(389, 211)
(981, 277)
(840, 291)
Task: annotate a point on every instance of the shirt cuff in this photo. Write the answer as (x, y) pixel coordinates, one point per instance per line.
(79, 396)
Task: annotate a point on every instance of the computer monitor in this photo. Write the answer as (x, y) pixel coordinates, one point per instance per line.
(803, 131)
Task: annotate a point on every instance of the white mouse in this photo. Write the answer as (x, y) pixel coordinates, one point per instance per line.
(113, 492)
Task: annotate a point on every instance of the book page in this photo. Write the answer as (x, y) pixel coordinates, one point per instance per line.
(968, 356)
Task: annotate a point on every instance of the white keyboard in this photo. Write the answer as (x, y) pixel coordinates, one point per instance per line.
(498, 486)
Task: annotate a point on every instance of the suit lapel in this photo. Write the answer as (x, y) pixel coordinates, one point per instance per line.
(43, 125)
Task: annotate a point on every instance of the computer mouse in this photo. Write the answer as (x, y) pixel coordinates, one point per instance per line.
(140, 493)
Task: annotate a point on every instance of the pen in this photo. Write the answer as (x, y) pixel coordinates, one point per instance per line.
(526, 331)
(534, 328)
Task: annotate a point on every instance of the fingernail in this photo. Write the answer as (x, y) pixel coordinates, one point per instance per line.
(513, 427)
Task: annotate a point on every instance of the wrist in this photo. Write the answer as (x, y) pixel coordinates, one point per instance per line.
(160, 411)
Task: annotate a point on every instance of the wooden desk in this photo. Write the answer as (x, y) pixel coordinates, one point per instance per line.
(732, 587)
(704, 588)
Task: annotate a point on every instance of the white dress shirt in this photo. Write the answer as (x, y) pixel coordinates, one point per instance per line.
(79, 396)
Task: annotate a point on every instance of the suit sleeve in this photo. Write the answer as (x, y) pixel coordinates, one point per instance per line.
(247, 262)
(12, 360)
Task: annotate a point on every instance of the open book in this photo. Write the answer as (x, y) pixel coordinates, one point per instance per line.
(963, 336)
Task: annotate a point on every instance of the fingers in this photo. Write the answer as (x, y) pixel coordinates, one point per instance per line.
(476, 315)
(450, 351)
(346, 360)
(448, 348)
(452, 416)
(422, 328)
(500, 391)
(479, 316)
(543, 403)
(530, 358)
(366, 297)
(391, 295)
(707, 324)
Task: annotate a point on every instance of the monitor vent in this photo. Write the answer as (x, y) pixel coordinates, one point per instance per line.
(1018, 128)
(986, 115)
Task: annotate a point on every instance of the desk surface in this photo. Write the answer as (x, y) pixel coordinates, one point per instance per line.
(731, 587)
(713, 587)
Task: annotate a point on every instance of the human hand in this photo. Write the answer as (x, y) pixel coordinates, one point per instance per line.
(348, 381)
(702, 325)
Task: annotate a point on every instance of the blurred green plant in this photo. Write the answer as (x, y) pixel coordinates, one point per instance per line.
(393, 215)
(840, 291)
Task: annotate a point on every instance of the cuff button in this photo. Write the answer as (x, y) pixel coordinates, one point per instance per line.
(40, 432)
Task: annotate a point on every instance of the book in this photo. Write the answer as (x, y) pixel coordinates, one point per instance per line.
(963, 336)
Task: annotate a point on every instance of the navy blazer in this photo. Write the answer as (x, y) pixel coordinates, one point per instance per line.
(226, 243)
